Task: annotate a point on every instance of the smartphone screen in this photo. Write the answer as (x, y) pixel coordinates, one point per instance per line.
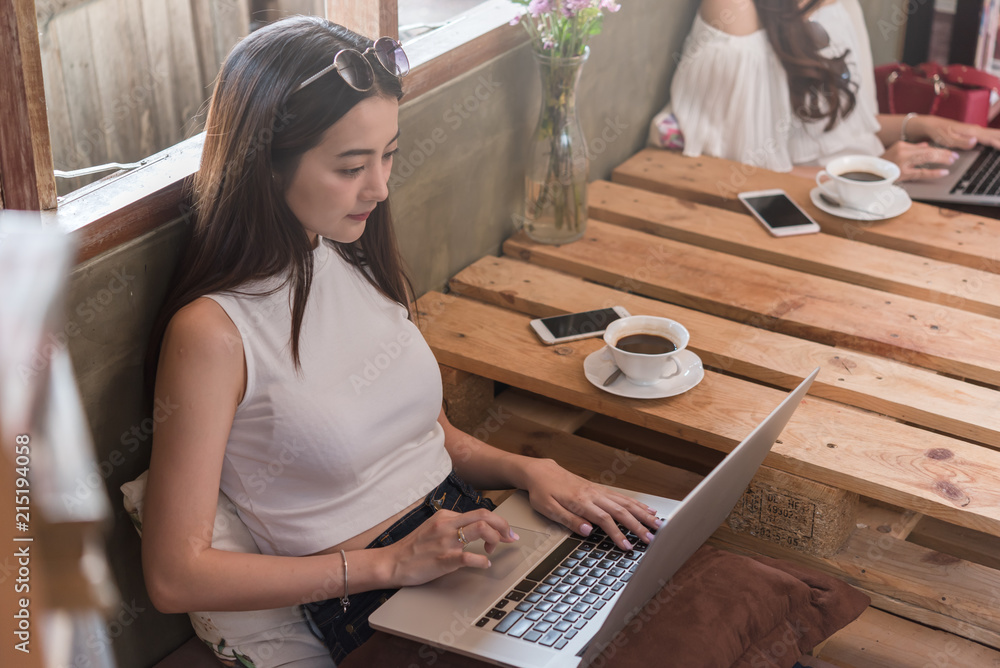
(587, 322)
(777, 210)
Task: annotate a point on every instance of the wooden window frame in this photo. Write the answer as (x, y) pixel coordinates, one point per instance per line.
(27, 180)
(125, 205)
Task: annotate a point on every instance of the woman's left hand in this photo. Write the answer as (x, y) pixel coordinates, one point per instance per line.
(579, 504)
(955, 134)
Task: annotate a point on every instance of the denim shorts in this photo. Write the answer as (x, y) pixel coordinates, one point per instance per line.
(343, 632)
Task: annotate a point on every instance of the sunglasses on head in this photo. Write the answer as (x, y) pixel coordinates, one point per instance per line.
(355, 69)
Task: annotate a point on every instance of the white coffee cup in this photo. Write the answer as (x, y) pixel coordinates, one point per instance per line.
(643, 368)
(858, 194)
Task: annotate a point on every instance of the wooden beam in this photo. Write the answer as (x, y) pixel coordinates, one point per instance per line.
(365, 17)
(26, 172)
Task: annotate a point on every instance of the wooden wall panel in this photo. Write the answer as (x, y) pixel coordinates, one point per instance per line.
(371, 18)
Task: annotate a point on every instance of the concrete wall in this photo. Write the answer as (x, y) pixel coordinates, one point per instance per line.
(452, 209)
(886, 21)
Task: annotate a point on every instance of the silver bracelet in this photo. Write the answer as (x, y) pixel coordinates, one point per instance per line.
(345, 602)
(902, 128)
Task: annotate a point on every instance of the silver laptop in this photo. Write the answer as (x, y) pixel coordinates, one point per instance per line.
(554, 598)
(972, 179)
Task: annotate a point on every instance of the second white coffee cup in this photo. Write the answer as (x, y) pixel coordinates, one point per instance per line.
(859, 181)
(646, 333)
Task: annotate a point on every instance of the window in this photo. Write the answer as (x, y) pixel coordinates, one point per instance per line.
(418, 17)
(126, 204)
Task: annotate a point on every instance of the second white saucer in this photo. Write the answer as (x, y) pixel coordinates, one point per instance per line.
(599, 365)
(901, 203)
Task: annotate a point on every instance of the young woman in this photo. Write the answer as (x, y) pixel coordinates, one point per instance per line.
(290, 283)
(788, 85)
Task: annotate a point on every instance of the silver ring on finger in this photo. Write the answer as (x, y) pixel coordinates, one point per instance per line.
(461, 536)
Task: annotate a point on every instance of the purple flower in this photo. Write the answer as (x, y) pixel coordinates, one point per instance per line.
(536, 7)
(610, 5)
(517, 19)
(548, 45)
(571, 7)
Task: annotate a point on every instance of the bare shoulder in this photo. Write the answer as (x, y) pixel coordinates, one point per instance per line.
(201, 339)
(735, 17)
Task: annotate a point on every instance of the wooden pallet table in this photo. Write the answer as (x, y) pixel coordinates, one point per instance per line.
(888, 475)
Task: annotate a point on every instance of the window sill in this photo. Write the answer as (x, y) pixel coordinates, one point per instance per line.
(126, 205)
(466, 42)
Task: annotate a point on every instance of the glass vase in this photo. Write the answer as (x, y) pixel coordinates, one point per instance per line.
(555, 210)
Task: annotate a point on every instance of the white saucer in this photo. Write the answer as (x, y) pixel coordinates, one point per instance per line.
(599, 365)
(901, 203)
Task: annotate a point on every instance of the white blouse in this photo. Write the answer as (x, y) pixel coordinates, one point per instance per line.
(730, 97)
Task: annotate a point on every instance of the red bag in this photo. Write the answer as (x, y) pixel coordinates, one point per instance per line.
(958, 92)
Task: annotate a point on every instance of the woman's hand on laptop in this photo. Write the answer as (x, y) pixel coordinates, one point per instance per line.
(580, 504)
(436, 547)
(953, 134)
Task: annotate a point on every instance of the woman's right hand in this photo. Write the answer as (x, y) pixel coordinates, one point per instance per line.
(433, 549)
(909, 157)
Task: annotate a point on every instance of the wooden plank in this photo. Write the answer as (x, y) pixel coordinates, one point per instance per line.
(172, 54)
(230, 24)
(208, 64)
(824, 255)
(650, 443)
(959, 542)
(365, 17)
(925, 230)
(904, 392)
(542, 410)
(958, 595)
(880, 640)
(60, 130)
(72, 29)
(829, 443)
(123, 79)
(25, 153)
(889, 520)
(592, 460)
(809, 307)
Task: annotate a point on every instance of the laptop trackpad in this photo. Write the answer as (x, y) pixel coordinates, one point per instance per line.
(507, 557)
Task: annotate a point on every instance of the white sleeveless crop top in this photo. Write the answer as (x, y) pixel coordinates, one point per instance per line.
(317, 456)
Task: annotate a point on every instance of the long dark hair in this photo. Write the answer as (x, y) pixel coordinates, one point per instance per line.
(817, 85)
(257, 129)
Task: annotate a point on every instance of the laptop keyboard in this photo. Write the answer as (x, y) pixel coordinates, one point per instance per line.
(566, 589)
(982, 177)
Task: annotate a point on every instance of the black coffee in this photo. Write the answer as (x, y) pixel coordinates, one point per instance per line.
(645, 344)
(862, 176)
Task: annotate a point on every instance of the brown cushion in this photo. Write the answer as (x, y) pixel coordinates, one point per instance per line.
(720, 610)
